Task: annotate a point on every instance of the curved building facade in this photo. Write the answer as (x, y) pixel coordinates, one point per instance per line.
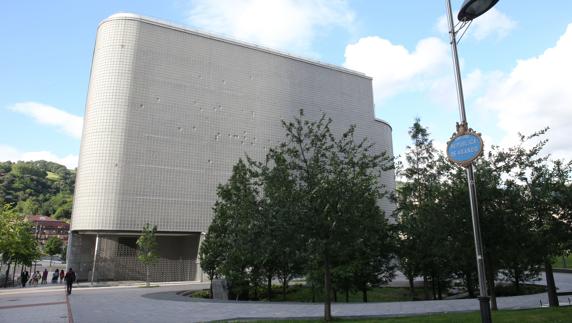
(169, 111)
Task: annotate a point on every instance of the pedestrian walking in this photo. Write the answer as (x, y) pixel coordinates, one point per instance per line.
(24, 277)
(45, 276)
(35, 278)
(70, 278)
(55, 276)
(61, 276)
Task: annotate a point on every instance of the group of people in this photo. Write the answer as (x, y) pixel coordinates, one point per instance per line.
(42, 278)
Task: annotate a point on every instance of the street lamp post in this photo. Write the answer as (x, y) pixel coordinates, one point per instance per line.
(470, 10)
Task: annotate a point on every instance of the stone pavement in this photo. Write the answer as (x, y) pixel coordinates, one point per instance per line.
(130, 303)
(45, 303)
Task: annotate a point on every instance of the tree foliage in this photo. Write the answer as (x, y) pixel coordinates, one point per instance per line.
(17, 243)
(311, 208)
(147, 248)
(523, 207)
(53, 246)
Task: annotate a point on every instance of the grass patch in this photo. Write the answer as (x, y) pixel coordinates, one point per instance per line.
(52, 176)
(564, 262)
(303, 294)
(199, 293)
(553, 315)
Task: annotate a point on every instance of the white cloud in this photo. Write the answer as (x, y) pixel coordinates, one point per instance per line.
(492, 23)
(13, 154)
(536, 94)
(44, 114)
(442, 88)
(395, 69)
(284, 24)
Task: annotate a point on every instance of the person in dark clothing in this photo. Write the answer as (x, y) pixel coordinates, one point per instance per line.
(24, 277)
(70, 278)
(55, 276)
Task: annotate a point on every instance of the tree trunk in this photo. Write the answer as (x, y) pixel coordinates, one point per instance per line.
(347, 295)
(147, 276)
(470, 288)
(433, 286)
(425, 287)
(313, 293)
(517, 281)
(269, 288)
(6, 276)
(550, 284)
(335, 292)
(439, 291)
(284, 287)
(211, 288)
(327, 290)
(411, 288)
(14, 274)
(364, 293)
(489, 273)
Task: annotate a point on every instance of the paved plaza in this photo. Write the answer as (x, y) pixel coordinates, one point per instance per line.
(128, 302)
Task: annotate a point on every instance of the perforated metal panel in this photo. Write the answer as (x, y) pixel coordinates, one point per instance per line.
(169, 112)
(117, 258)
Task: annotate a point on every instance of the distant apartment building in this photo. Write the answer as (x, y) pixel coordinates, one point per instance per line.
(45, 227)
(169, 111)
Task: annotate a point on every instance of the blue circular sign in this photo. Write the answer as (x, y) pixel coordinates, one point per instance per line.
(465, 148)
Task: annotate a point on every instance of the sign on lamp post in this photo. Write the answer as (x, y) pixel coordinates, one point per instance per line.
(465, 146)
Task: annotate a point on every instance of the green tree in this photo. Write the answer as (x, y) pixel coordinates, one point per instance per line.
(236, 212)
(308, 208)
(147, 248)
(53, 246)
(333, 176)
(281, 252)
(369, 259)
(17, 243)
(421, 218)
(545, 181)
(211, 254)
(30, 206)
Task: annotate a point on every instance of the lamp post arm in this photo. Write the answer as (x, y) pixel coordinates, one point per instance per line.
(458, 83)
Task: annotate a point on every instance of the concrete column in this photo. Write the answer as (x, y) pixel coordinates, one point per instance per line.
(94, 257)
(69, 255)
(200, 276)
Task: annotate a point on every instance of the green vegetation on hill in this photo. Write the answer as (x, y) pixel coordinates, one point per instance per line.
(37, 187)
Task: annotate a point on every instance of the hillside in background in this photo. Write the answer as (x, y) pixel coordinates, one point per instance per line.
(37, 187)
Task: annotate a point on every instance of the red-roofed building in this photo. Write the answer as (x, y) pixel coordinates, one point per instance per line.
(46, 227)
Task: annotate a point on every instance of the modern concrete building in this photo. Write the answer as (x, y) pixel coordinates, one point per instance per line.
(169, 111)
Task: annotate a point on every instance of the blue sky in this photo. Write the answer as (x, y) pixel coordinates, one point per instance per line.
(515, 59)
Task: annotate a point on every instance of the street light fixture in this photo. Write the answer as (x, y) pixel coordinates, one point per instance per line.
(466, 145)
(471, 9)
